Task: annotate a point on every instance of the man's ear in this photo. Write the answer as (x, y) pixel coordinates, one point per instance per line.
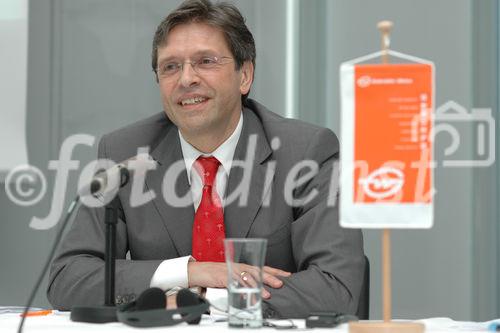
(246, 77)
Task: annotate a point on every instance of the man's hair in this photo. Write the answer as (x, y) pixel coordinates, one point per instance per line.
(223, 16)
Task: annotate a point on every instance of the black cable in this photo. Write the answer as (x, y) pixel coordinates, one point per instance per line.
(69, 214)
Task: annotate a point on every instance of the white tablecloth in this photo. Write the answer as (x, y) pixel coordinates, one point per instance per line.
(60, 322)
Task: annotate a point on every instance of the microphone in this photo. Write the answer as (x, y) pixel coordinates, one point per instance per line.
(105, 185)
(106, 181)
(116, 176)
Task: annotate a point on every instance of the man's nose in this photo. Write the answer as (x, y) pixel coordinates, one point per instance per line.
(188, 77)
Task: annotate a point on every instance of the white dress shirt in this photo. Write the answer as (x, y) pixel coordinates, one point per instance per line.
(173, 273)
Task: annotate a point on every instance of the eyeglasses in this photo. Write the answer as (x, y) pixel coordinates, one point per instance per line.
(203, 65)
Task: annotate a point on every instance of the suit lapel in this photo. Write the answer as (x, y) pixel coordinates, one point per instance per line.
(239, 214)
(177, 220)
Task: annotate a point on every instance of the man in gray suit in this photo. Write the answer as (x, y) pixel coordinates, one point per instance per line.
(204, 59)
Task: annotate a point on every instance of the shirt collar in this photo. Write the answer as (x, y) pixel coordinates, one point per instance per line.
(224, 153)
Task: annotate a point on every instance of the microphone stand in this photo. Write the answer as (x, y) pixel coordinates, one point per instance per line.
(111, 219)
(95, 314)
(107, 312)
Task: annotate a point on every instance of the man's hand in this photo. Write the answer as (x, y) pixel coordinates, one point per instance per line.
(214, 275)
(172, 302)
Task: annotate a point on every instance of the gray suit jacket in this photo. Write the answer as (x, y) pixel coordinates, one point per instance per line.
(327, 261)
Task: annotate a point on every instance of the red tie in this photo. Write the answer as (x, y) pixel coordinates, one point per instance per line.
(208, 226)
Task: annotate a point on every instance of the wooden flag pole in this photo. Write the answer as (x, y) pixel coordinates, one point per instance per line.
(386, 275)
(387, 326)
(385, 30)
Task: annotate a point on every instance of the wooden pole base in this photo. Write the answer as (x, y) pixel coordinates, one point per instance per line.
(385, 327)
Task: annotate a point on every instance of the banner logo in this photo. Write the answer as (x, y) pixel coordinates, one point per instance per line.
(383, 183)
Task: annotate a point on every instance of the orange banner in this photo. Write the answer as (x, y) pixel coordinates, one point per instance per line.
(392, 128)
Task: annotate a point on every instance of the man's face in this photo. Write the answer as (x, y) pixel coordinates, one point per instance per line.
(206, 103)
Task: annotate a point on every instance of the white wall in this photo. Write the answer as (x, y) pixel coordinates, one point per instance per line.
(13, 69)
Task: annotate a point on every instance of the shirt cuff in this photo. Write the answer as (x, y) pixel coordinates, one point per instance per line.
(171, 273)
(217, 297)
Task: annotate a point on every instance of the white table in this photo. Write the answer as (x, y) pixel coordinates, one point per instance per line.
(60, 322)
